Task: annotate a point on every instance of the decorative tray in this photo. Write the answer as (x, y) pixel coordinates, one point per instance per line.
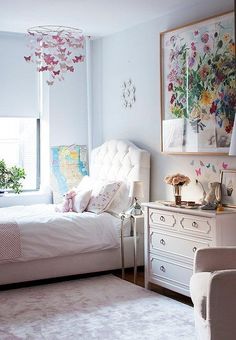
(184, 204)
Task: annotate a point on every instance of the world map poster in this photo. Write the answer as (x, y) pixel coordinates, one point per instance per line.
(68, 166)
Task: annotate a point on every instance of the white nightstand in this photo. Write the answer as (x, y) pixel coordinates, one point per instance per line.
(133, 220)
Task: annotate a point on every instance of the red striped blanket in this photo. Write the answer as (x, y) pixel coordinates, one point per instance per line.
(10, 245)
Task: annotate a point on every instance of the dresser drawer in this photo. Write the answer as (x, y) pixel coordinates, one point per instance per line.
(162, 218)
(196, 225)
(174, 245)
(164, 270)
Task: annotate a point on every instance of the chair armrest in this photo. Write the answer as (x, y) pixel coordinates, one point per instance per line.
(212, 259)
(221, 304)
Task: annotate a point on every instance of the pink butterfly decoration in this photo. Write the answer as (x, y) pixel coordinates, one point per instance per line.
(198, 171)
(27, 59)
(56, 73)
(77, 59)
(225, 165)
(70, 68)
(52, 47)
(62, 50)
(50, 82)
(43, 68)
(48, 58)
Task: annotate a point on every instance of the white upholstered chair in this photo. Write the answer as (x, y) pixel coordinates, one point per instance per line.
(213, 292)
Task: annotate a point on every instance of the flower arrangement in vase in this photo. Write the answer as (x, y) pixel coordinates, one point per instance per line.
(177, 181)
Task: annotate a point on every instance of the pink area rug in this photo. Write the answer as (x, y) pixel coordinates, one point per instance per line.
(103, 307)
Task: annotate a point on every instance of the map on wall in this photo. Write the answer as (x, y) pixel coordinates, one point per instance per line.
(68, 165)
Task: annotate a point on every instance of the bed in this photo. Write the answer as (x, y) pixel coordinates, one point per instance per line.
(113, 160)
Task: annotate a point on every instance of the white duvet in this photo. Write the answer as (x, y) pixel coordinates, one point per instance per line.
(46, 233)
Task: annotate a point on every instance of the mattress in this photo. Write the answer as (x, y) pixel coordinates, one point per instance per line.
(46, 233)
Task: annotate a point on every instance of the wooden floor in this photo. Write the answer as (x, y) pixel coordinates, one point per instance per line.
(129, 276)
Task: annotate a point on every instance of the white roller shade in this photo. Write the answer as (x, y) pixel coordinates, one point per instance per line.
(18, 79)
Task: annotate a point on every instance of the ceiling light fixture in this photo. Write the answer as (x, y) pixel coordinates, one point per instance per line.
(55, 50)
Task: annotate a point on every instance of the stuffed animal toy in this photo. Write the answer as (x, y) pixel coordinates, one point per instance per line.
(213, 195)
(68, 202)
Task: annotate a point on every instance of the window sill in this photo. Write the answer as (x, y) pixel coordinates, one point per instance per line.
(25, 198)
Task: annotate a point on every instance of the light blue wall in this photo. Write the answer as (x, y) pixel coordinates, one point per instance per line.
(135, 54)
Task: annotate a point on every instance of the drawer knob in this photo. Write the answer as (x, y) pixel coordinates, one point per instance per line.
(162, 242)
(194, 224)
(194, 249)
(162, 218)
(162, 268)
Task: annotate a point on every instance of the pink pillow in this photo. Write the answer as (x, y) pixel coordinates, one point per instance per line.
(102, 196)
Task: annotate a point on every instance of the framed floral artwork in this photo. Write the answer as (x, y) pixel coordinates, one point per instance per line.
(228, 188)
(198, 80)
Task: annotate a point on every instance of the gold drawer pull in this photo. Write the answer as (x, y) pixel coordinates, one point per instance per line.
(194, 224)
(162, 268)
(162, 242)
(162, 218)
(194, 249)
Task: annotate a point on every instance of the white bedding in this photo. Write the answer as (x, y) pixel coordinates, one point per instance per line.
(46, 233)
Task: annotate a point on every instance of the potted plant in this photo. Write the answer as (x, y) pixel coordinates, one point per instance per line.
(10, 177)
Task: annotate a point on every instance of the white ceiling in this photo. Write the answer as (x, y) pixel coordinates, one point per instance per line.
(94, 17)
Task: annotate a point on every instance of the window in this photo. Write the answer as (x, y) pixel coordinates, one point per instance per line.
(19, 145)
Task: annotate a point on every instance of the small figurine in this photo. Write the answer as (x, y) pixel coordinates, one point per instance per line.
(214, 194)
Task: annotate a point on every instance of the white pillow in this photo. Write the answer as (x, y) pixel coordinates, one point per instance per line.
(81, 200)
(102, 196)
(86, 183)
(121, 201)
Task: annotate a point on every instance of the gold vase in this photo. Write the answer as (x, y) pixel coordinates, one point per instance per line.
(177, 194)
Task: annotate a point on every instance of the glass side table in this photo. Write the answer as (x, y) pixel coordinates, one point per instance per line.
(133, 220)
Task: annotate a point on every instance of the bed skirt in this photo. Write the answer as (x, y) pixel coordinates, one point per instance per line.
(71, 265)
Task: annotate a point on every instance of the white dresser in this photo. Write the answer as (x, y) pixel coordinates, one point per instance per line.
(171, 237)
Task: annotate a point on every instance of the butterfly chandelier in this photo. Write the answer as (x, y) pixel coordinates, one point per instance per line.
(55, 50)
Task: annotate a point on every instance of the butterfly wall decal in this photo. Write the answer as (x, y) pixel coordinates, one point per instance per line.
(198, 171)
(50, 83)
(225, 165)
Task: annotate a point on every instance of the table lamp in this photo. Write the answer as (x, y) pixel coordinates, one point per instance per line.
(136, 192)
(232, 149)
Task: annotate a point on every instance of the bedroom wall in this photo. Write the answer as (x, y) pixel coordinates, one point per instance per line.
(135, 54)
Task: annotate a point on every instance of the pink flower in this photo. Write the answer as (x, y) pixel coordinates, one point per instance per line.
(170, 87)
(172, 99)
(204, 71)
(206, 48)
(172, 75)
(205, 37)
(193, 46)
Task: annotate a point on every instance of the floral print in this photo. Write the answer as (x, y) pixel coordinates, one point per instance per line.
(200, 75)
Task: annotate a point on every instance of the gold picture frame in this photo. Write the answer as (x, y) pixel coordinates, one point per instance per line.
(228, 188)
(195, 115)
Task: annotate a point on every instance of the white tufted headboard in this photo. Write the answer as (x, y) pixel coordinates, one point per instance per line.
(121, 160)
